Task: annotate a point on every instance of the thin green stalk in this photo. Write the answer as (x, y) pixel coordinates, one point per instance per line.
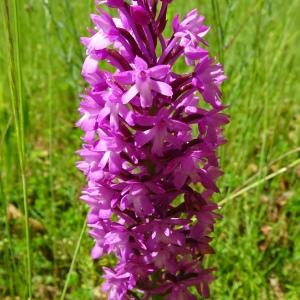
(219, 28)
(265, 115)
(240, 28)
(61, 39)
(261, 181)
(73, 261)
(16, 93)
(9, 260)
(75, 35)
(5, 131)
(266, 167)
(18, 73)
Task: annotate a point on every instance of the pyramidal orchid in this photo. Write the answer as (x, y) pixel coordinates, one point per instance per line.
(149, 149)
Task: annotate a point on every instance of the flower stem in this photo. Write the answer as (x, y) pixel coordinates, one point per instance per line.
(73, 261)
(16, 93)
(261, 181)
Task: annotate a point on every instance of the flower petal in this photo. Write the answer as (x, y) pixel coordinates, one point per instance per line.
(96, 252)
(130, 94)
(145, 94)
(162, 88)
(159, 72)
(90, 65)
(140, 64)
(144, 137)
(124, 77)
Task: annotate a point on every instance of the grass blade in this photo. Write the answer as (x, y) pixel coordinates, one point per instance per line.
(73, 261)
(11, 20)
(260, 181)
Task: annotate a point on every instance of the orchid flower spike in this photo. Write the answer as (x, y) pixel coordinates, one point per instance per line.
(149, 149)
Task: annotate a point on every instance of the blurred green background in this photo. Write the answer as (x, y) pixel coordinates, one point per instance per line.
(258, 241)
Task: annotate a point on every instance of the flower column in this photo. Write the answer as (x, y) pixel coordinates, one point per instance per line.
(149, 152)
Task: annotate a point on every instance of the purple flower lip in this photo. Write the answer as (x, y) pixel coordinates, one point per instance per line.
(149, 150)
(142, 76)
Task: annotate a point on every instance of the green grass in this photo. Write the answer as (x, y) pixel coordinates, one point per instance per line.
(258, 241)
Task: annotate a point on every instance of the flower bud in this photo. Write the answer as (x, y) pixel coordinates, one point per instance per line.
(139, 15)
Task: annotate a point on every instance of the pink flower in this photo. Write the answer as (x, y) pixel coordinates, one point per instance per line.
(149, 150)
(144, 80)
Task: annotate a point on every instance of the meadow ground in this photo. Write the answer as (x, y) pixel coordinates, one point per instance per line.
(258, 241)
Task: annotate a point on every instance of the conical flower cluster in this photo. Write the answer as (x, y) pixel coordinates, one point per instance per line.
(149, 151)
